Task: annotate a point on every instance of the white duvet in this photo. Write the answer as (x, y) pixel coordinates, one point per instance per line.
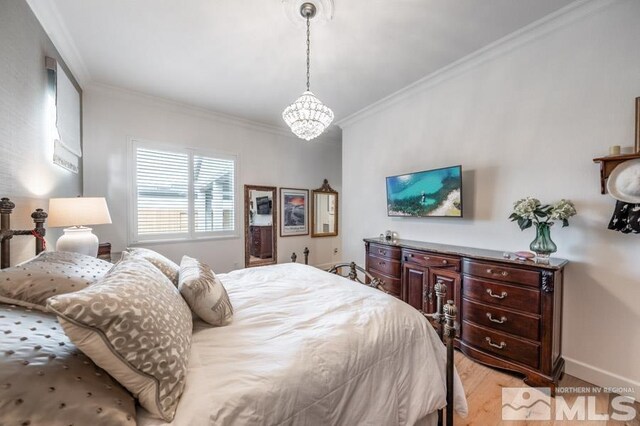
(310, 348)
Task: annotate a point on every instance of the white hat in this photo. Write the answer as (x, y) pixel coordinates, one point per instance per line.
(624, 182)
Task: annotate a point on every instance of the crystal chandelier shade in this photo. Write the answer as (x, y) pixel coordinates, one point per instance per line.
(308, 117)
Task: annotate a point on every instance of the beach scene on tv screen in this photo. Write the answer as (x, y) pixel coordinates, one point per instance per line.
(429, 193)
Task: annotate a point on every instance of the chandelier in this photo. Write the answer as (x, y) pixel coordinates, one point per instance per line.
(308, 117)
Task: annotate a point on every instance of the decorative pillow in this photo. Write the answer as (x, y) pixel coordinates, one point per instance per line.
(204, 293)
(166, 266)
(31, 283)
(134, 324)
(46, 380)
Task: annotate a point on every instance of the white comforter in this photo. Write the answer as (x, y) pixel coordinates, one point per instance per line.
(311, 348)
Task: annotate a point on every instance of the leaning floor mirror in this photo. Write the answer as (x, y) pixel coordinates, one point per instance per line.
(324, 211)
(260, 225)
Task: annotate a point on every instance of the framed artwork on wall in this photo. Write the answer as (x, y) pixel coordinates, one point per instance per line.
(294, 212)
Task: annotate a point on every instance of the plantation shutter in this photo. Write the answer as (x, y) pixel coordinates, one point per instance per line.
(213, 194)
(162, 185)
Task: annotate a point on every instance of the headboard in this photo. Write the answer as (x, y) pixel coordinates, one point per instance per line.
(6, 233)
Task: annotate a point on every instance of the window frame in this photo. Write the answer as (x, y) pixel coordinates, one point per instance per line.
(191, 234)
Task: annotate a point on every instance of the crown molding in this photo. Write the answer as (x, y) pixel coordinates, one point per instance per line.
(558, 19)
(184, 108)
(47, 13)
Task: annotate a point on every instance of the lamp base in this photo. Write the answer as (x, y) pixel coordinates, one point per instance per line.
(78, 239)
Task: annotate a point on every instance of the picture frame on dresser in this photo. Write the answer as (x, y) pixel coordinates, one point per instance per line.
(294, 212)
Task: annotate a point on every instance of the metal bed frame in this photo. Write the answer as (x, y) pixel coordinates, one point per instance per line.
(6, 233)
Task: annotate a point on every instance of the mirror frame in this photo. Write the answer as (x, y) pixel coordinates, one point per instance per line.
(274, 214)
(324, 189)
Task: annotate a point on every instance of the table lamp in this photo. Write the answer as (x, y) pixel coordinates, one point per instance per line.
(75, 214)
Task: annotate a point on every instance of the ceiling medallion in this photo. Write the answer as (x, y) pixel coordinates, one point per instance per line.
(308, 117)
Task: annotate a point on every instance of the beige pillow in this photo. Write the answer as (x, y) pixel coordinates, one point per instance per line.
(169, 268)
(46, 380)
(31, 283)
(135, 325)
(204, 292)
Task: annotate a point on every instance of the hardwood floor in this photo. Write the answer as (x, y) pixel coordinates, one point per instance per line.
(483, 387)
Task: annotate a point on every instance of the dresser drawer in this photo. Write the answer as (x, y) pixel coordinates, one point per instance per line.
(392, 285)
(386, 252)
(501, 295)
(385, 266)
(430, 260)
(502, 273)
(527, 326)
(501, 344)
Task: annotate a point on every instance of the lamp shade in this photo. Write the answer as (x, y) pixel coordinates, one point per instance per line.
(79, 211)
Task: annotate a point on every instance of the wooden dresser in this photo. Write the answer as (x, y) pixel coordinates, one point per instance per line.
(261, 241)
(510, 311)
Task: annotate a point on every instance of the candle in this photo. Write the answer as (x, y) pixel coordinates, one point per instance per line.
(614, 150)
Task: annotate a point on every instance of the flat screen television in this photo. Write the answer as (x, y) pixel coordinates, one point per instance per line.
(431, 193)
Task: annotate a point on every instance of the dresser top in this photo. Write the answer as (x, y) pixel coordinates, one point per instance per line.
(475, 253)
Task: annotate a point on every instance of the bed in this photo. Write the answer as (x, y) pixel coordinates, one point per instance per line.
(307, 347)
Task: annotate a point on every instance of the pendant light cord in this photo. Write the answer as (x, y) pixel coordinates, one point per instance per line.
(308, 52)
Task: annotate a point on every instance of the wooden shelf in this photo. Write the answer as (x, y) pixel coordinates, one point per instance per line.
(607, 164)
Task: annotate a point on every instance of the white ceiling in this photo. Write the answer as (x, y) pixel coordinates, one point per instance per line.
(246, 57)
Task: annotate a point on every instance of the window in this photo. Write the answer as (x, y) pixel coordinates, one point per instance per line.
(182, 194)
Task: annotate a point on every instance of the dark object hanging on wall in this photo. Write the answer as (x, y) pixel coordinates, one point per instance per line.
(626, 218)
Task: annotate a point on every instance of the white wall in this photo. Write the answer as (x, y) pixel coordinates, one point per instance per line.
(525, 118)
(27, 173)
(266, 157)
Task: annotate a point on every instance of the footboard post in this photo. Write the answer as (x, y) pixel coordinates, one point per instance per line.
(294, 257)
(450, 313)
(441, 292)
(306, 255)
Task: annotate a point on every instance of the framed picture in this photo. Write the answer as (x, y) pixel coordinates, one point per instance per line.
(294, 212)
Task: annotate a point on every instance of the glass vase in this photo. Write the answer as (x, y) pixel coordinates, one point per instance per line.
(543, 246)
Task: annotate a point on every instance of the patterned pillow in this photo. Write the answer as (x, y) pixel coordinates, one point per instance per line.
(166, 266)
(46, 380)
(204, 292)
(31, 283)
(135, 325)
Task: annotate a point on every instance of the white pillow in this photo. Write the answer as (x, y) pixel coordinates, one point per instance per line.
(204, 293)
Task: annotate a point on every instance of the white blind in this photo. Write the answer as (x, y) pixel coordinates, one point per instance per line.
(68, 113)
(181, 193)
(162, 181)
(213, 194)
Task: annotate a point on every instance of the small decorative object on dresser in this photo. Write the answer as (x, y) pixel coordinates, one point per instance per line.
(529, 211)
(510, 310)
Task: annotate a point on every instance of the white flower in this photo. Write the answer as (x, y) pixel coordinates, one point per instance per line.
(562, 210)
(525, 208)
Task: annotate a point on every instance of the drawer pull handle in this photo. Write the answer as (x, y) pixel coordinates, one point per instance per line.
(502, 345)
(503, 273)
(502, 320)
(444, 262)
(382, 252)
(497, 296)
(427, 258)
(381, 263)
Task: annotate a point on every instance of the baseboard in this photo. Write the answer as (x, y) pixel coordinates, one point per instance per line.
(600, 377)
